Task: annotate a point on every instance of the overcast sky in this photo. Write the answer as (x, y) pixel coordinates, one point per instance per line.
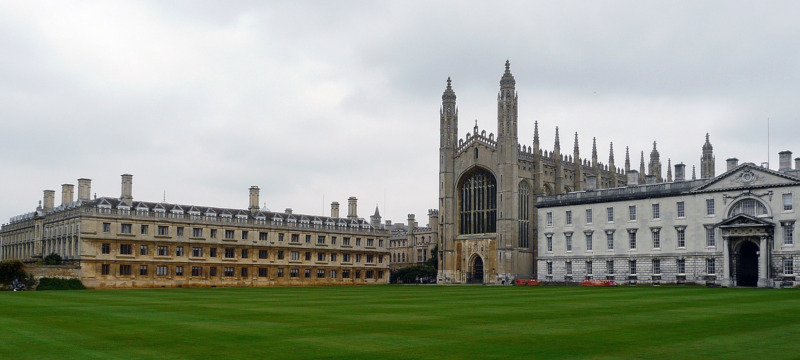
(318, 101)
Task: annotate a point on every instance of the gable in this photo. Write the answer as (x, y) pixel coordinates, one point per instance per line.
(748, 176)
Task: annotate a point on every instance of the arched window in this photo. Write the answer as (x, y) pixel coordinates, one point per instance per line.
(750, 207)
(524, 214)
(478, 203)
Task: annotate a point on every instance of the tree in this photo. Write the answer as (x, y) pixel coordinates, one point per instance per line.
(412, 274)
(52, 259)
(10, 270)
(433, 261)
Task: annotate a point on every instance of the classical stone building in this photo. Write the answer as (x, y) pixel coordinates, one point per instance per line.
(411, 244)
(735, 229)
(122, 242)
(487, 187)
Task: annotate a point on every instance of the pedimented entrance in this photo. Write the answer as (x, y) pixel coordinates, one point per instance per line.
(746, 264)
(746, 240)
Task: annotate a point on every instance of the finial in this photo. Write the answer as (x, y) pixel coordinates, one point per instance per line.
(448, 83)
(508, 65)
(558, 143)
(654, 145)
(611, 154)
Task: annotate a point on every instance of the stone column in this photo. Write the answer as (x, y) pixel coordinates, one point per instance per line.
(726, 263)
(763, 262)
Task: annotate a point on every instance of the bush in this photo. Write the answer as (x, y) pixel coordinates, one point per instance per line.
(411, 274)
(52, 259)
(60, 284)
(10, 270)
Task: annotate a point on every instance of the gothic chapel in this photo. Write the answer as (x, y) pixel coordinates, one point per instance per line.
(487, 189)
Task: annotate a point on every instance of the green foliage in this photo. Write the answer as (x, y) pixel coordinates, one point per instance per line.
(412, 274)
(10, 270)
(52, 259)
(433, 261)
(60, 284)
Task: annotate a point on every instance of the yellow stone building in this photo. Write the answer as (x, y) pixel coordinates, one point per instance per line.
(119, 242)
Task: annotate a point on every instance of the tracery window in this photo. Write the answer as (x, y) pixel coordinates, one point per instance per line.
(478, 203)
(524, 215)
(750, 207)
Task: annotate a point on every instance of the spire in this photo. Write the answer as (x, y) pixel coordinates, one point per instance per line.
(707, 145)
(611, 154)
(536, 136)
(627, 160)
(669, 170)
(655, 164)
(507, 81)
(707, 161)
(557, 143)
(377, 213)
(575, 147)
(594, 152)
(641, 169)
(448, 118)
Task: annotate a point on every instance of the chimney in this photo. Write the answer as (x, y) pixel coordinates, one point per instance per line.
(591, 182)
(650, 179)
(335, 209)
(797, 163)
(288, 211)
(84, 189)
(66, 193)
(433, 219)
(680, 172)
(352, 203)
(412, 223)
(253, 199)
(732, 163)
(785, 161)
(49, 199)
(127, 186)
(633, 178)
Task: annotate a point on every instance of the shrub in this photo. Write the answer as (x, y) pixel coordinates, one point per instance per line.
(60, 284)
(10, 270)
(411, 274)
(52, 259)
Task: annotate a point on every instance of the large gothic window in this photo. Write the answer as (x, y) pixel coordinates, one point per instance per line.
(524, 215)
(478, 203)
(750, 207)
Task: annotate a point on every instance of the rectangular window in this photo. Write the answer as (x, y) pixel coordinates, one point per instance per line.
(105, 269)
(358, 241)
(681, 209)
(656, 211)
(213, 234)
(333, 257)
(610, 240)
(212, 252)
(588, 241)
(263, 235)
(321, 239)
(245, 234)
(197, 232)
(656, 233)
(179, 251)
(106, 248)
(212, 271)
(681, 237)
(143, 250)
(308, 239)
(549, 219)
(358, 274)
(320, 256)
(568, 266)
(610, 214)
(245, 254)
(262, 272)
(710, 242)
(788, 266)
(230, 253)
(345, 274)
(370, 259)
(320, 273)
(106, 227)
(549, 242)
(681, 265)
(179, 231)
(125, 270)
(229, 234)
(142, 270)
(788, 233)
(295, 238)
(549, 268)
(709, 206)
(125, 228)
(280, 254)
(333, 241)
(243, 272)
(308, 255)
(197, 252)
(588, 216)
(588, 268)
(632, 239)
(371, 242)
(710, 267)
(787, 202)
(345, 257)
(307, 273)
(568, 216)
(346, 241)
(632, 267)
(358, 258)
(280, 237)
(610, 267)
(333, 274)
(125, 249)
(568, 240)
(656, 267)
(263, 254)
(631, 213)
(295, 255)
(144, 229)
(293, 273)
(161, 270)
(162, 250)
(179, 271)
(370, 274)
(280, 272)
(229, 271)
(163, 230)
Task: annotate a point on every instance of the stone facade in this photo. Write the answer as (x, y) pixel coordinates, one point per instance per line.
(487, 186)
(412, 244)
(735, 229)
(120, 242)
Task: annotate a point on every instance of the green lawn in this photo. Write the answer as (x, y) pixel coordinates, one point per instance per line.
(402, 322)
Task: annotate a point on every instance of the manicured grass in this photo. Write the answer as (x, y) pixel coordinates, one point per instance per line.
(402, 322)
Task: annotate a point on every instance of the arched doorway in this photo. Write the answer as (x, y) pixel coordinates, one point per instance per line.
(747, 264)
(476, 275)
